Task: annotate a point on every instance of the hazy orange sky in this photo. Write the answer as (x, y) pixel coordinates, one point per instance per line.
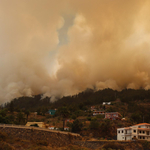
(63, 47)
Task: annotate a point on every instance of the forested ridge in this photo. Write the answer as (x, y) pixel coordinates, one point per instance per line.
(86, 98)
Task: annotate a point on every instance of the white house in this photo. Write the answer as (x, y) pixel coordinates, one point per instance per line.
(106, 103)
(51, 127)
(66, 128)
(139, 131)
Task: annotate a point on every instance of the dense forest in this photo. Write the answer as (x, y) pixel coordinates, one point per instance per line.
(130, 103)
(86, 98)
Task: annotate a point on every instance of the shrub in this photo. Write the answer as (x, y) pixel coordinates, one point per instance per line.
(3, 136)
(39, 148)
(48, 116)
(6, 146)
(73, 116)
(94, 125)
(111, 145)
(89, 118)
(77, 126)
(42, 142)
(94, 118)
(145, 145)
(70, 136)
(85, 128)
(100, 116)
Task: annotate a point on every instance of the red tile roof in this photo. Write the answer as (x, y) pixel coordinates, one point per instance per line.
(141, 124)
(128, 128)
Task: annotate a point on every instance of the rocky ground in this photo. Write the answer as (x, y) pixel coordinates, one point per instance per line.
(10, 143)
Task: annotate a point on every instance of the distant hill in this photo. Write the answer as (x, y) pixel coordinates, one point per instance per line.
(85, 98)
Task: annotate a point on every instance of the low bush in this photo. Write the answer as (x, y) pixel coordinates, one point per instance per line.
(42, 142)
(116, 146)
(3, 136)
(6, 146)
(89, 118)
(145, 144)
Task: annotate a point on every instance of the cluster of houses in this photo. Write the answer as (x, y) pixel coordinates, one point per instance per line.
(139, 131)
(43, 125)
(108, 115)
(65, 128)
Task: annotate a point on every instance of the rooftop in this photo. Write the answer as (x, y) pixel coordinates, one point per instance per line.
(142, 124)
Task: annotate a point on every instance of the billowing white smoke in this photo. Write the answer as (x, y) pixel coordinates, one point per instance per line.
(107, 46)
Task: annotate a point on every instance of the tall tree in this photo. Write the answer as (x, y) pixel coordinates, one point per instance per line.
(64, 112)
(11, 107)
(27, 112)
(20, 118)
(77, 126)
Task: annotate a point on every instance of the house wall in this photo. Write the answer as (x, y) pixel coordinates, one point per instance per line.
(134, 131)
(121, 135)
(51, 128)
(40, 124)
(141, 132)
(124, 135)
(52, 112)
(111, 115)
(98, 113)
(128, 138)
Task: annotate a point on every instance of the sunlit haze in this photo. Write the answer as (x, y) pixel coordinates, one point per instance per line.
(63, 47)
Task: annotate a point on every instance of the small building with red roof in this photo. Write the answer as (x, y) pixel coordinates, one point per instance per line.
(113, 115)
(66, 128)
(69, 120)
(51, 127)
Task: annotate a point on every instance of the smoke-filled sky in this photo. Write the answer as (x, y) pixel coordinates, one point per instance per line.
(62, 47)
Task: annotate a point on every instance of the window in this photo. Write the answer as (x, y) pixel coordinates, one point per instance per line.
(118, 131)
(143, 137)
(134, 131)
(122, 137)
(122, 131)
(143, 131)
(140, 137)
(140, 131)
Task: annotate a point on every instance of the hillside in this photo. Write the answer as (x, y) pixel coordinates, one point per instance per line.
(86, 98)
(133, 105)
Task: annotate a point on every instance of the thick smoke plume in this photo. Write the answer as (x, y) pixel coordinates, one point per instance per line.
(62, 47)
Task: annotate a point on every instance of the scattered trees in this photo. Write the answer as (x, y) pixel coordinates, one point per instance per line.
(64, 113)
(76, 126)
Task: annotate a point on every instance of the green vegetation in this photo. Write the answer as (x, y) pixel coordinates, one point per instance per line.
(77, 126)
(131, 104)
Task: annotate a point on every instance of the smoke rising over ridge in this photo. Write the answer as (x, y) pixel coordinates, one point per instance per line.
(63, 47)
